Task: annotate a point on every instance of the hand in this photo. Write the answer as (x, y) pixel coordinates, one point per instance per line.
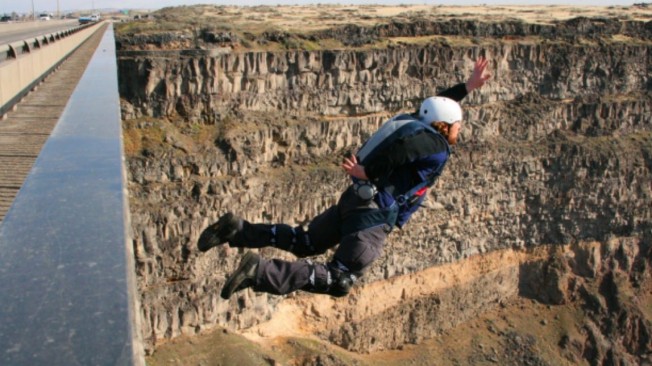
(478, 77)
(352, 168)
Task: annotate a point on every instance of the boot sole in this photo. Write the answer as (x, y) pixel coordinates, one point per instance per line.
(211, 237)
(249, 260)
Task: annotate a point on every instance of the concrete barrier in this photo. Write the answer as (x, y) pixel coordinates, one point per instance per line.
(25, 63)
(67, 277)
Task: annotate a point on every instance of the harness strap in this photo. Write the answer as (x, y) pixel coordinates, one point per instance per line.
(409, 195)
(414, 191)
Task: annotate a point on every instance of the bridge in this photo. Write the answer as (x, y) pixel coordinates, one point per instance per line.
(66, 263)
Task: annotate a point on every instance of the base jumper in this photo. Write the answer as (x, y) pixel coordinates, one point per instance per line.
(390, 176)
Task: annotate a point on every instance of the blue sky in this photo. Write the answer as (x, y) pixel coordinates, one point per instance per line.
(25, 6)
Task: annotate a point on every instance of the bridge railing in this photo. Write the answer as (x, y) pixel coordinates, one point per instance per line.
(24, 64)
(67, 279)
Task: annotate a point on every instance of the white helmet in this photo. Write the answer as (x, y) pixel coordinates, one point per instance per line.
(436, 109)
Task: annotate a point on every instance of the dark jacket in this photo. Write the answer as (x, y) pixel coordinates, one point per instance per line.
(403, 165)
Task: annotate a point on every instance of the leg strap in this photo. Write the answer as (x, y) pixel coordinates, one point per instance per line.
(292, 239)
(333, 279)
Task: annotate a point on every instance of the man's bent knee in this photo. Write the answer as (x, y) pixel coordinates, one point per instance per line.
(342, 284)
(331, 280)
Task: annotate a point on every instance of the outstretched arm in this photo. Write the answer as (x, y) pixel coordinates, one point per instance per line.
(478, 78)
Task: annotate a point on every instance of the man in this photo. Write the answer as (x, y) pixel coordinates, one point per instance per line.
(390, 176)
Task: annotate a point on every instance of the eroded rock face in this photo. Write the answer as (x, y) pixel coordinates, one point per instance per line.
(614, 330)
(557, 149)
(202, 87)
(606, 279)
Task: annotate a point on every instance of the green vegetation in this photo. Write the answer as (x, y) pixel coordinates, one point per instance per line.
(142, 133)
(155, 135)
(151, 27)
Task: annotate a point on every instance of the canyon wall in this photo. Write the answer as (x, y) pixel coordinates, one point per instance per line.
(203, 87)
(555, 150)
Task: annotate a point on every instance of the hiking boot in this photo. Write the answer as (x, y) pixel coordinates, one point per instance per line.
(220, 232)
(243, 277)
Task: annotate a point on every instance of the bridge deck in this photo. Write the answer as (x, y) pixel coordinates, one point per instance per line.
(25, 130)
(69, 294)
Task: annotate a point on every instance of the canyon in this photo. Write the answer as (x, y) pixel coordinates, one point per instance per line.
(545, 205)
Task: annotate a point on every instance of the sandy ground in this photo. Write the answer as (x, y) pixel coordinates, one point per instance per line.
(305, 316)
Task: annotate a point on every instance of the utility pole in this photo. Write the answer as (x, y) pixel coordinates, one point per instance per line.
(58, 13)
(33, 17)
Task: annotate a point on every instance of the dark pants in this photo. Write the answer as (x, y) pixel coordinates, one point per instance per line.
(356, 250)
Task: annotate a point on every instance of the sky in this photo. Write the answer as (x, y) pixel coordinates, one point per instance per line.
(25, 6)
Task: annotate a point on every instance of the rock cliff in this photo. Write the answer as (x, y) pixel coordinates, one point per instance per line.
(201, 86)
(556, 153)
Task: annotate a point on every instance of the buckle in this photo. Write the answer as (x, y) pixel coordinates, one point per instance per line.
(401, 200)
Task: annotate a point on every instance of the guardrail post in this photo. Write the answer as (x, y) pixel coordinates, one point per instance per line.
(11, 52)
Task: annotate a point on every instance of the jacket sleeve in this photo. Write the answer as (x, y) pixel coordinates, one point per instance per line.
(456, 93)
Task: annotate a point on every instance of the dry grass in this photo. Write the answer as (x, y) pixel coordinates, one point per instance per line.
(297, 23)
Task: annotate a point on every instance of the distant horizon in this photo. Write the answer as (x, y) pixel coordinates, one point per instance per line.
(67, 6)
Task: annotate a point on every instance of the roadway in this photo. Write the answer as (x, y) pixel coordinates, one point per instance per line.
(18, 31)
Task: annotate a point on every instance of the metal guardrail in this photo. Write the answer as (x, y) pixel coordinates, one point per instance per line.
(67, 280)
(12, 50)
(24, 64)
